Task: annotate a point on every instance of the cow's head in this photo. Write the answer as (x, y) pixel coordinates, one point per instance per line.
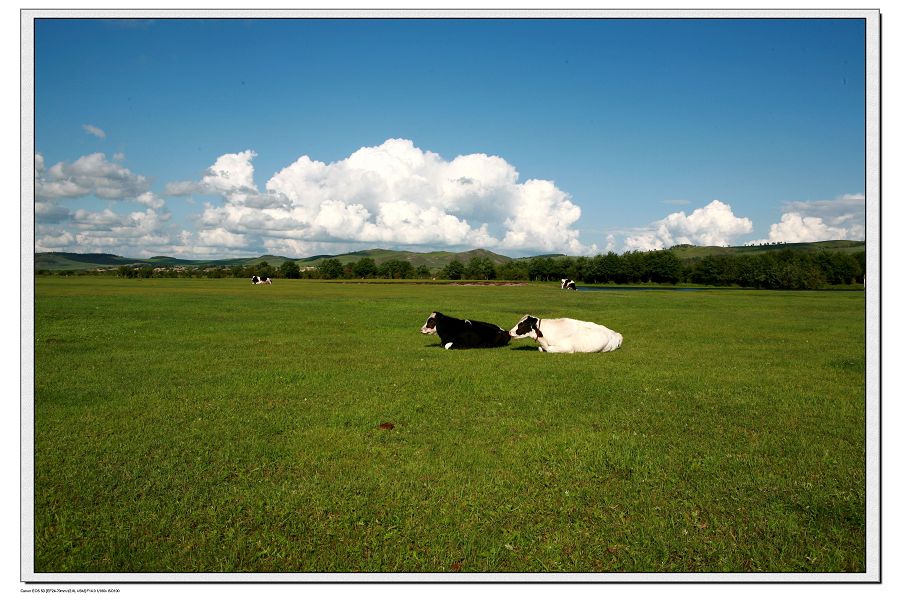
(430, 326)
(254, 279)
(526, 327)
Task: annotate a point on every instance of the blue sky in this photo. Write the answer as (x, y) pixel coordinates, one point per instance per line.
(186, 137)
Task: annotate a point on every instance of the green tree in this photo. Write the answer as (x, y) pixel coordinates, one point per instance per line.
(365, 268)
(480, 267)
(396, 269)
(601, 268)
(845, 269)
(564, 266)
(541, 268)
(798, 271)
(289, 270)
(453, 270)
(264, 269)
(580, 268)
(514, 270)
(860, 258)
(635, 266)
(663, 267)
(331, 268)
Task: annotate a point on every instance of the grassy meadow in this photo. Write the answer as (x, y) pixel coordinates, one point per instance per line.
(216, 426)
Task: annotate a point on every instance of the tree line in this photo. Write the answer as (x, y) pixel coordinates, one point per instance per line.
(777, 269)
(781, 269)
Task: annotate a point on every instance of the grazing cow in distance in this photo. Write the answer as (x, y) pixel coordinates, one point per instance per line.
(260, 280)
(567, 335)
(568, 284)
(463, 333)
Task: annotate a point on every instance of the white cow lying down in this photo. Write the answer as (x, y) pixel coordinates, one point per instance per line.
(567, 335)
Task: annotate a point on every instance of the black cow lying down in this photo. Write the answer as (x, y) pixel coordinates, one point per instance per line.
(463, 333)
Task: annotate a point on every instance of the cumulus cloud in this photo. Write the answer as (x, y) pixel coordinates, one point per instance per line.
(818, 220)
(542, 218)
(394, 193)
(50, 212)
(135, 233)
(150, 199)
(138, 233)
(89, 175)
(220, 238)
(57, 241)
(95, 131)
(231, 176)
(712, 225)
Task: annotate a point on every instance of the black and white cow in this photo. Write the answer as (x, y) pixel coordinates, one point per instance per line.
(567, 335)
(568, 284)
(260, 280)
(463, 333)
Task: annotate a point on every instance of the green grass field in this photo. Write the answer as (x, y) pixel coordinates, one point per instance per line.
(215, 426)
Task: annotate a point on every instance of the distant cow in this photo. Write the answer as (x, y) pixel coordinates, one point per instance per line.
(568, 284)
(260, 280)
(459, 333)
(567, 335)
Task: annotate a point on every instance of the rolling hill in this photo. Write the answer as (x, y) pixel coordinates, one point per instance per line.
(73, 261)
(687, 251)
(432, 260)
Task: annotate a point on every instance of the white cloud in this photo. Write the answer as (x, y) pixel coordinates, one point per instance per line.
(394, 193)
(102, 220)
(220, 238)
(794, 227)
(50, 212)
(230, 176)
(150, 199)
(138, 233)
(819, 220)
(712, 225)
(610, 243)
(183, 188)
(59, 241)
(89, 175)
(109, 224)
(95, 131)
(542, 219)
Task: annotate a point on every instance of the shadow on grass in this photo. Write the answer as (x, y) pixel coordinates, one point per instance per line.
(527, 348)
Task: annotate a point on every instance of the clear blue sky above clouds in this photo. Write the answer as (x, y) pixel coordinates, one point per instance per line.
(182, 137)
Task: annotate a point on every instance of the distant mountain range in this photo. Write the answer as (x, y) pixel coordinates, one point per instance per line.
(74, 261)
(687, 251)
